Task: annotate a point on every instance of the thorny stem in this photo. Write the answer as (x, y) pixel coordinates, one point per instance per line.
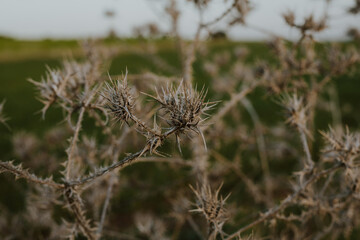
(120, 163)
(142, 125)
(178, 161)
(107, 130)
(21, 173)
(309, 162)
(111, 184)
(287, 201)
(71, 151)
(113, 166)
(79, 214)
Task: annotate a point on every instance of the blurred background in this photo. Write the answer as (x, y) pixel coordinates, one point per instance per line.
(67, 19)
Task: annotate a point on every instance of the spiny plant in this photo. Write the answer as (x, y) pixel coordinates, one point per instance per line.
(304, 175)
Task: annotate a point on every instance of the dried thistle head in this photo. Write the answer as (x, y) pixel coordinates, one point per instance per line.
(355, 9)
(183, 107)
(119, 100)
(211, 206)
(50, 87)
(341, 61)
(297, 111)
(309, 23)
(343, 146)
(243, 8)
(70, 86)
(289, 18)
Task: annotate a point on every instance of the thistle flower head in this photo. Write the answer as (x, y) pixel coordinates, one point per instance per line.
(297, 111)
(67, 85)
(50, 87)
(211, 205)
(183, 107)
(119, 101)
(243, 8)
(289, 18)
(344, 146)
(309, 23)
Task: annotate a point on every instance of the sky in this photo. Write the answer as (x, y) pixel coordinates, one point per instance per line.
(37, 19)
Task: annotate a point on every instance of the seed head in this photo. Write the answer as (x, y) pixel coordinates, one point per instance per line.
(183, 107)
(50, 87)
(119, 101)
(297, 111)
(289, 18)
(343, 146)
(210, 205)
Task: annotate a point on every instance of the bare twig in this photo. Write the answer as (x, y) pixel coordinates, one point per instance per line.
(287, 201)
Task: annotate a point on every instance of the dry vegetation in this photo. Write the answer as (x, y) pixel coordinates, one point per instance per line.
(136, 115)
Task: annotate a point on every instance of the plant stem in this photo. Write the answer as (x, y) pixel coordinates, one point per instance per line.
(71, 151)
(290, 199)
(309, 162)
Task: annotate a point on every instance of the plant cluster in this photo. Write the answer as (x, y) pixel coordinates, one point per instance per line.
(85, 190)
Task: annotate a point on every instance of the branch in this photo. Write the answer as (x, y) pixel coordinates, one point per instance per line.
(224, 14)
(309, 162)
(19, 172)
(75, 205)
(270, 213)
(120, 163)
(108, 169)
(71, 150)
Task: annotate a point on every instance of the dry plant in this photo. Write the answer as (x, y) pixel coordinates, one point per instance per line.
(3, 117)
(85, 191)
